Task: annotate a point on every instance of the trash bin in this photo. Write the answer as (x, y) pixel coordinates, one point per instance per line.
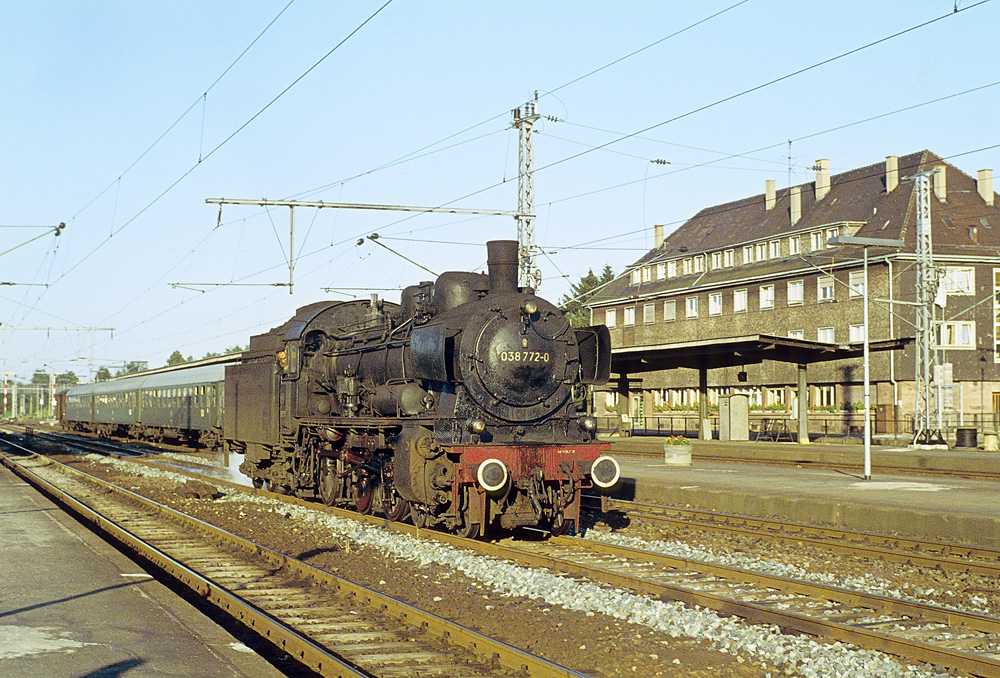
(965, 437)
(991, 442)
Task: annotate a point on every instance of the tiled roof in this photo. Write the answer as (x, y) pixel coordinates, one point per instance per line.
(857, 196)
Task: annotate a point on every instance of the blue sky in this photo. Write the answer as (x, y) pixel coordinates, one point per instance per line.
(117, 122)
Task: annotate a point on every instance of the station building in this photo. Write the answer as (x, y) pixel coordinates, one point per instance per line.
(763, 265)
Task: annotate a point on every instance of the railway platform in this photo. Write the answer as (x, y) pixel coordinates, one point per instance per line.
(824, 484)
(72, 605)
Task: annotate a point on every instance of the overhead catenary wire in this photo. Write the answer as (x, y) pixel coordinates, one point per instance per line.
(225, 141)
(347, 240)
(403, 158)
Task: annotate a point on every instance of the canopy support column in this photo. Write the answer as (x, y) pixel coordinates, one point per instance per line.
(803, 405)
(704, 423)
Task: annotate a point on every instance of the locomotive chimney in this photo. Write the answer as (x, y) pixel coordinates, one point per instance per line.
(501, 261)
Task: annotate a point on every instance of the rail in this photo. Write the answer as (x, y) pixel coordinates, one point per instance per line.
(309, 613)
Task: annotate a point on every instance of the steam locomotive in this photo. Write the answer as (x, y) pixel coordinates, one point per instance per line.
(454, 407)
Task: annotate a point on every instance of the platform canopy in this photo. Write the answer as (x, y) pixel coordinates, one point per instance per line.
(735, 351)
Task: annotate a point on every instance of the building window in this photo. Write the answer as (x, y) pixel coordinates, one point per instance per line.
(824, 396)
(747, 254)
(671, 269)
(636, 276)
(793, 245)
(857, 333)
(774, 249)
(692, 307)
(766, 297)
(996, 315)
(699, 263)
(856, 282)
(816, 241)
(686, 266)
(824, 288)
(795, 289)
(729, 258)
(661, 271)
(959, 280)
(648, 313)
(957, 335)
(774, 396)
(647, 274)
(825, 334)
(796, 334)
(669, 311)
(609, 317)
(740, 301)
(716, 260)
(760, 251)
(629, 315)
(715, 303)
(831, 233)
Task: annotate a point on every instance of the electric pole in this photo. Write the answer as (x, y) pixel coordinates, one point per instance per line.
(292, 204)
(926, 408)
(528, 274)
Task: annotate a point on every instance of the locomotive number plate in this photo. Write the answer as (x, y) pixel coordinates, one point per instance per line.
(524, 356)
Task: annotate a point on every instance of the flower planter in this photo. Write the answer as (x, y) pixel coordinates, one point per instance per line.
(676, 455)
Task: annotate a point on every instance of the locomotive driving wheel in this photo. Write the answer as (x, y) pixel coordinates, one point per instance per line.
(469, 529)
(394, 506)
(419, 516)
(561, 525)
(328, 482)
(366, 496)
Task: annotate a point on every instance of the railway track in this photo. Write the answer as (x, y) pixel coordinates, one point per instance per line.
(149, 455)
(888, 547)
(884, 465)
(915, 632)
(333, 626)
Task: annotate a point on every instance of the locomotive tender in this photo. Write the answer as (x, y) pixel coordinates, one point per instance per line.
(453, 407)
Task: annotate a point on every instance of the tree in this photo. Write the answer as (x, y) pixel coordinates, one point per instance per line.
(103, 374)
(133, 367)
(40, 378)
(67, 379)
(177, 358)
(573, 303)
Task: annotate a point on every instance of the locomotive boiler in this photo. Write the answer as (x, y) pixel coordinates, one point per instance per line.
(454, 407)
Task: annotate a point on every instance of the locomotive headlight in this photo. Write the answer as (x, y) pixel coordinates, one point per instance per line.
(605, 472)
(530, 306)
(587, 423)
(492, 475)
(476, 425)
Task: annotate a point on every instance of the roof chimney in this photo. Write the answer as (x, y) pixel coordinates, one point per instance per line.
(984, 184)
(796, 200)
(769, 197)
(822, 178)
(891, 173)
(941, 183)
(657, 235)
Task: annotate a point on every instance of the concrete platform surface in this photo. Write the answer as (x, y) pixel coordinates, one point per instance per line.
(947, 509)
(73, 606)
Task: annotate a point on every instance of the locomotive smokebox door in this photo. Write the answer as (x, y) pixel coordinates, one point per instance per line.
(520, 365)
